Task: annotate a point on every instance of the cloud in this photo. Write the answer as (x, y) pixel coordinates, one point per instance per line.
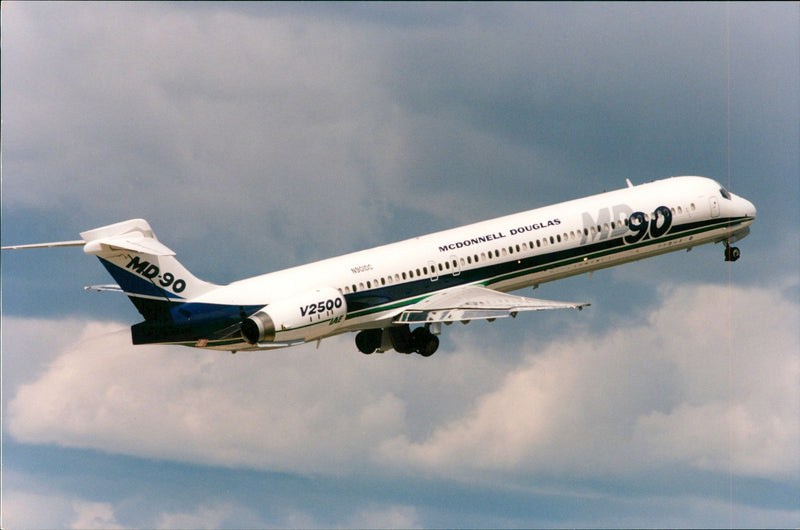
(386, 517)
(302, 410)
(94, 515)
(22, 509)
(699, 386)
(268, 120)
(282, 126)
(693, 387)
(217, 515)
(46, 508)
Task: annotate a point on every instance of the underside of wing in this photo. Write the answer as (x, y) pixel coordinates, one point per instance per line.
(461, 304)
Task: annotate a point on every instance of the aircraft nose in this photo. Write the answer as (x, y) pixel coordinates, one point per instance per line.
(749, 208)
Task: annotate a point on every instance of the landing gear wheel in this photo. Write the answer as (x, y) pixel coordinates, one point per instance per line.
(425, 343)
(401, 338)
(732, 253)
(368, 341)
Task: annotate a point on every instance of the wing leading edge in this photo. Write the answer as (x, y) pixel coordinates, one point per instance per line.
(474, 302)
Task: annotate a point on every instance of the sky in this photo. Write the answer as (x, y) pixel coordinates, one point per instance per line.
(257, 136)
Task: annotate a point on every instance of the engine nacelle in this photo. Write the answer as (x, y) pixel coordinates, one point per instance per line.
(305, 317)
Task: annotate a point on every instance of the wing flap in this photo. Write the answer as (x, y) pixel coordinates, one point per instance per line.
(462, 304)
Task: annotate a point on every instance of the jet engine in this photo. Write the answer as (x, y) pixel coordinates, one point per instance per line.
(306, 317)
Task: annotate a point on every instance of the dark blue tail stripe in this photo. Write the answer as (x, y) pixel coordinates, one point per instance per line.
(133, 284)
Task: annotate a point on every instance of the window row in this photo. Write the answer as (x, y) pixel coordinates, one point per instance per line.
(454, 265)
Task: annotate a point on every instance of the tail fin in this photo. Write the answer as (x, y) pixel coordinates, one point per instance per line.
(144, 268)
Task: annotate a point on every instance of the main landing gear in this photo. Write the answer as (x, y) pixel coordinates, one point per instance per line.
(401, 338)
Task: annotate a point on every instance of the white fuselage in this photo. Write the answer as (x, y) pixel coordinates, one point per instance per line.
(511, 252)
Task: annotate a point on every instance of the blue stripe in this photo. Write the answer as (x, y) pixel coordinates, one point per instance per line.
(134, 284)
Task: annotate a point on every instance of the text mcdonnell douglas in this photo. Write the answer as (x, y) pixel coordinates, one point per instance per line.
(497, 235)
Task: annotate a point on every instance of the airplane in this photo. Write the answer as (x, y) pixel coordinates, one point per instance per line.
(456, 275)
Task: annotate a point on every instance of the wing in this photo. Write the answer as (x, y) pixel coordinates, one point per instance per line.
(461, 304)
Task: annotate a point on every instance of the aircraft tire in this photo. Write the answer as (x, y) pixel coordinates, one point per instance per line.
(425, 343)
(368, 341)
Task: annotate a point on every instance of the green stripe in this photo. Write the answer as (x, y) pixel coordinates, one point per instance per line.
(723, 223)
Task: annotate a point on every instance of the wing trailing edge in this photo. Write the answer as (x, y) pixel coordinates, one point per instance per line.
(474, 302)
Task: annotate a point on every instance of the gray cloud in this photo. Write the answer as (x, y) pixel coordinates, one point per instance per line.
(676, 390)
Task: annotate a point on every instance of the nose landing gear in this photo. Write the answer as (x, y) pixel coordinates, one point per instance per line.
(731, 253)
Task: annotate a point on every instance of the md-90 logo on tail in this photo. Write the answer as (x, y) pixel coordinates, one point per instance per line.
(153, 273)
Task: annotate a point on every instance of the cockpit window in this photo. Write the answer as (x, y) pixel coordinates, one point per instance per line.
(725, 193)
